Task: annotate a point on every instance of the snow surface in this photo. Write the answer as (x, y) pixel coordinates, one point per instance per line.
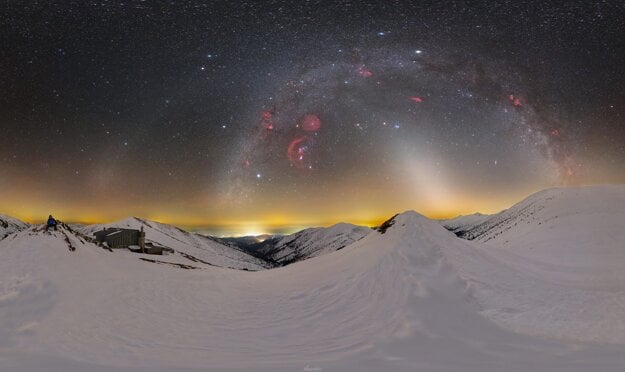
(312, 242)
(464, 223)
(10, 225)
(567, 248)
(414, 298)
(199, 246)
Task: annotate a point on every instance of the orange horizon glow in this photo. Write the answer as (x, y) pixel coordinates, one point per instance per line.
(269, 215)
(227, 223)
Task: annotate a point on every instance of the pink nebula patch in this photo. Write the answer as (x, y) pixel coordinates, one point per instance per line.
(515, 101)
(266, 115)
(297, 150)
(310, 123)
(365, 72)
(415, 99)
(266, 119)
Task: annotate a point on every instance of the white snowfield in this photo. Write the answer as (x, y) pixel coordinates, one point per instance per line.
(414, 298)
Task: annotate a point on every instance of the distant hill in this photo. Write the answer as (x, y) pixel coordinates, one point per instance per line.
(309, 243)
(10, 225)
(461, 224)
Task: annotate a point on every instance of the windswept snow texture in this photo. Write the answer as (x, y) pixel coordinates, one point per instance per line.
(311, 242)
(415, 298)
(10, 225)
(198, 246)
(567, 248)
(461, 224)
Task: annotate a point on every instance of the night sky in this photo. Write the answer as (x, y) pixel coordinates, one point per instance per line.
(269, 116)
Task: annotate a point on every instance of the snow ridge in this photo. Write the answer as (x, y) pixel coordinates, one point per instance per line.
(198, 246)
(311, 242)
(464, 223)
(10, 225)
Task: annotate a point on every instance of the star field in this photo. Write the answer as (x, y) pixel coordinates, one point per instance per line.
(277, 115)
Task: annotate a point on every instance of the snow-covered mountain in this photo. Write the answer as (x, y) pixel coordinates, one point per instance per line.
(574, 232)
(310, 242)
(246, 241)
(410, 297)
(10, 225)
(194, 246)
(566, 246)
(463, 223)
(549, 209)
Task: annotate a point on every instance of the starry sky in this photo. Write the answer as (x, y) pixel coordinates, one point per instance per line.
(242, 117)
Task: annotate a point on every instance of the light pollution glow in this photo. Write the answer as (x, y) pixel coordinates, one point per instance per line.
(435, 203)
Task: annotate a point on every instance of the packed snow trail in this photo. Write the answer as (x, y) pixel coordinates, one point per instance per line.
(405, 300)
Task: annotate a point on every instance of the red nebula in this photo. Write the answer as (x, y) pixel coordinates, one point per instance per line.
(569, 171)
(266, 115)
(515, 101)
(296, 151)
(310, 123)
(365, 72)
(555, 132)
(569, 166)
(266, 119)
(415, 99)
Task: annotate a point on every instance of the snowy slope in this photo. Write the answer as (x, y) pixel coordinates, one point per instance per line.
(578, 232)
(545, 207)
(464, 223)
(199, 246)
(311, 242)
(246, 241)
(414, 298)
(10, 225)
(567, 246)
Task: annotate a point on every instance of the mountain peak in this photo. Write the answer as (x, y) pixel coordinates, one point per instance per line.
(409, 217)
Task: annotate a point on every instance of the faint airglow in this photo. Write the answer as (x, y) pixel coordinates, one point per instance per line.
(429, 184)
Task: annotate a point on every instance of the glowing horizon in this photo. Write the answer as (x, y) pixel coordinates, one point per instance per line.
(272, 223)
